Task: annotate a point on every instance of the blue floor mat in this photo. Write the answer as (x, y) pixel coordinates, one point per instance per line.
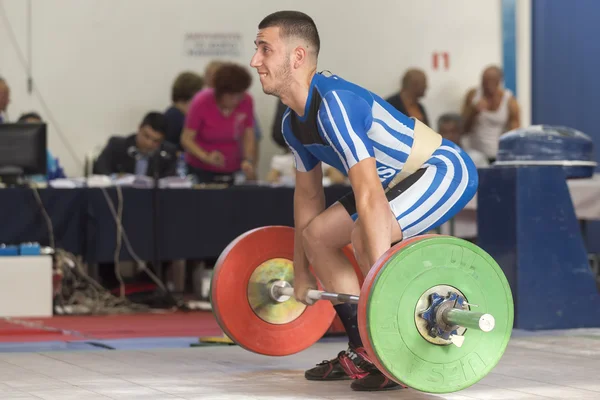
(146, 343)
(100, 345)
(38, 347)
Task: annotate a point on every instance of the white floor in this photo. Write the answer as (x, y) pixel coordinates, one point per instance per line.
(557, 366)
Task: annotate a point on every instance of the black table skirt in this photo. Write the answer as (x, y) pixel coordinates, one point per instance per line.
(192, 223)
(21, 218)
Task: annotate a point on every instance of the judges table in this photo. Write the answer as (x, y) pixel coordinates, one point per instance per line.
(21, 218)
(192, 223)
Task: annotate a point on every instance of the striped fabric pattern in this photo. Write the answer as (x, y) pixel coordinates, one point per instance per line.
(356, 124)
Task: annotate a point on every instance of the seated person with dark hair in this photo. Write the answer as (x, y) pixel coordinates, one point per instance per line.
(53, 168)
(139, 152)
(30, 118)
(186, 85)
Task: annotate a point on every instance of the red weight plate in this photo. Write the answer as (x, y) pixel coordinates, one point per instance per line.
(229, 296)
(364, 296)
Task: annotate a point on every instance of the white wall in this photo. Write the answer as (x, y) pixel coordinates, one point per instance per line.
(101, 64)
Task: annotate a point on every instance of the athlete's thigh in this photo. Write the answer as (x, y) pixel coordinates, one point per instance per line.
(435, 193)
(332, 228)
(349, 204)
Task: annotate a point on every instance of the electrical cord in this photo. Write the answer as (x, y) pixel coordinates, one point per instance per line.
(118, 245)
(49, 226)
(121, 237)
(78, 288)
(121, 232)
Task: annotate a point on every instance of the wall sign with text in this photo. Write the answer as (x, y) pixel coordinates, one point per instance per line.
(198, 44)
(440, 60)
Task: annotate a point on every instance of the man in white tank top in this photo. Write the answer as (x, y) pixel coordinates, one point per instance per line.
(489, 111)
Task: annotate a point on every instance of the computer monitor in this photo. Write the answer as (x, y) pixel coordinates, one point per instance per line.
(22, 150)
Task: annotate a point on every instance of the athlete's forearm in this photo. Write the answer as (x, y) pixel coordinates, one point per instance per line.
(306, 208)
(375, 221)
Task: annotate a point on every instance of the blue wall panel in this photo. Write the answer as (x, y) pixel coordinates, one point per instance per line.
(566, 65)
(566, 70)
(509, 46)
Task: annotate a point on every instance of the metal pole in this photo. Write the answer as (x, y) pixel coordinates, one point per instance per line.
(318, 295)
(469, 319)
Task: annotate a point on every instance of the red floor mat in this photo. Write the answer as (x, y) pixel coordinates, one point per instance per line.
(69, 328)
(10, 334)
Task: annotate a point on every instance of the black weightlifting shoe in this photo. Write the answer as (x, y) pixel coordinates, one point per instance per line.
(328, 370)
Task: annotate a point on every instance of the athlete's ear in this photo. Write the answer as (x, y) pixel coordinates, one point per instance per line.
(299, 56)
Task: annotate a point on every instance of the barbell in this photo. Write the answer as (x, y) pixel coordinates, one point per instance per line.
(282, 291)
(435, 312)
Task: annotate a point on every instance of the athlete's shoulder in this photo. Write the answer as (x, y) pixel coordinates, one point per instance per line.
(351, 92)
(326, 84)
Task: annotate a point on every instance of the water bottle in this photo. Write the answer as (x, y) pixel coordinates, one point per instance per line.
(51, 164)
(181, 166)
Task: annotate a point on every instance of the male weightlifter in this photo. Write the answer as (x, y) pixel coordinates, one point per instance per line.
(405, 178)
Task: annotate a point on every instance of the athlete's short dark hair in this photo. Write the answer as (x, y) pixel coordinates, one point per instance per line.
(294, 23)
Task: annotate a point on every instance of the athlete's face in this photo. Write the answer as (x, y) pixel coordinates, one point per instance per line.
(272, 61)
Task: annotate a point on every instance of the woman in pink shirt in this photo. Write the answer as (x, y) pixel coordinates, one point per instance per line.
(218, 136)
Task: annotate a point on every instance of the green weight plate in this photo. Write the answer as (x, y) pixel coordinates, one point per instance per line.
(398, 347)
